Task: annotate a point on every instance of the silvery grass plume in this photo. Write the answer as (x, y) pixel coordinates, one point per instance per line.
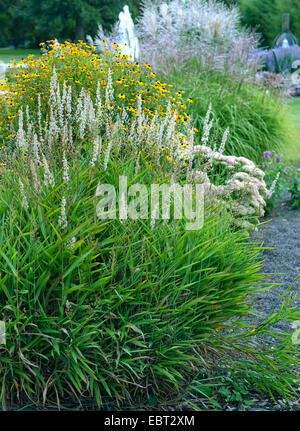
(62, 220)
(20, 139)
(66, 178)
(96, 150)
(207, 126)
(24, 199)
(272, 188)
(223, 142)
(48, 176)
(172, 31)
(35, 177)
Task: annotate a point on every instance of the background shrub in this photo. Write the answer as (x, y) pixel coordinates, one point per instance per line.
(266, 17)
(172, 32)
(258, 119)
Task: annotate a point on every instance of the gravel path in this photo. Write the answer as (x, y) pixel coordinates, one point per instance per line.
(281, 233)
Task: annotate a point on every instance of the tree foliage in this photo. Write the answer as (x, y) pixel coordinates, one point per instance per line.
(32, 21)
(266, 17)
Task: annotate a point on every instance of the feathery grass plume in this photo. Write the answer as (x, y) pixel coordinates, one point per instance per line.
(53, 130)
(273, 185)
(20, 139)
(224, 139)
(207, 126)
(96, 150)
(107, 154)
(79, 106)
(35, 177)
(109, 91)
(62, 220)
(66, 178)
(98, 98)
(173, 31)
(104, 39)
(24, 199)
(83, 116)
(48, 176)
(243, 184)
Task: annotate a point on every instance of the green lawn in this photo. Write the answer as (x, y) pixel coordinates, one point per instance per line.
(7, 54)
(295, 107)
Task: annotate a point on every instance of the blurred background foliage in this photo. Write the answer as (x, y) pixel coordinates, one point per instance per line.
(24, 23)
(266, 17)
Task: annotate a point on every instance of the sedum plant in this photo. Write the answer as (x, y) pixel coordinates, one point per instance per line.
(243, 186)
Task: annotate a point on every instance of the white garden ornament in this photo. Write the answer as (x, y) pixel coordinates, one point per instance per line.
(128, 41)
(123, 34)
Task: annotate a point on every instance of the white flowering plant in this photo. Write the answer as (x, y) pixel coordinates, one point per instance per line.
(235, 181)
(72, 126)
(87, 128)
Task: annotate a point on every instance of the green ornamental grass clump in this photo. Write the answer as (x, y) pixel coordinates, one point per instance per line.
(128, 312)
(258, 118)
(105, 309)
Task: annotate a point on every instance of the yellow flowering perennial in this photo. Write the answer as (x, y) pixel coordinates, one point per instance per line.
(79, 65)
